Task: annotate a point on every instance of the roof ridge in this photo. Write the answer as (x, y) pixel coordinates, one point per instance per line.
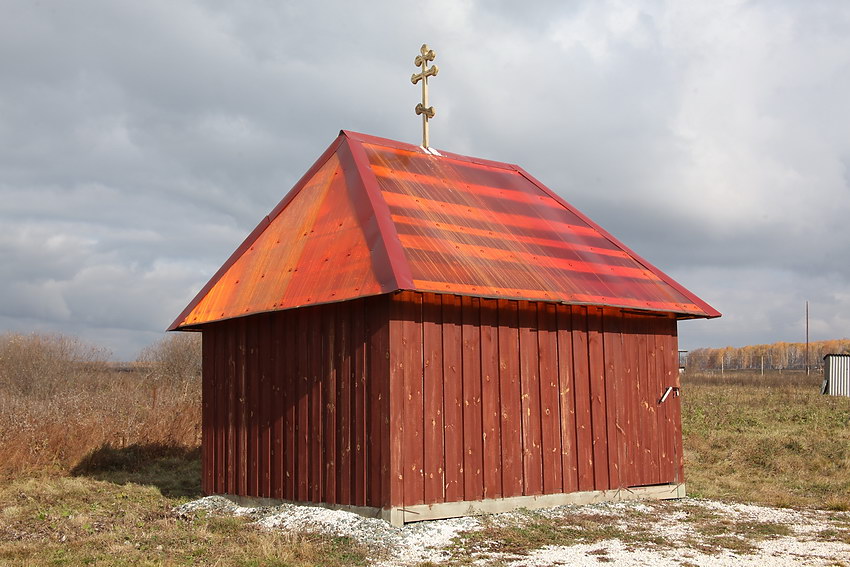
(387, 242)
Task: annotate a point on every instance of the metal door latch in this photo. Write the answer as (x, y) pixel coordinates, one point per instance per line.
(667, 392)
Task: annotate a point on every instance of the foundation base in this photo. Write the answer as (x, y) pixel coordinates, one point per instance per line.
(441, 510)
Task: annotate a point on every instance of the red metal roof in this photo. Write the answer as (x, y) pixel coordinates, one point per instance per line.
(374, 216)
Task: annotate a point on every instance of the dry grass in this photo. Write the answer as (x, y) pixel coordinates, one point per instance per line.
(94, 459)
(61, 402)
(772, 440)
(80, 521)
(516, 538)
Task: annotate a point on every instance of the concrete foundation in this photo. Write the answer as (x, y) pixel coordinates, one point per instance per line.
(442, 510)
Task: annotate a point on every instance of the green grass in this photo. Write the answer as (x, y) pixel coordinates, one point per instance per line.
(535, 530)
(781, 445)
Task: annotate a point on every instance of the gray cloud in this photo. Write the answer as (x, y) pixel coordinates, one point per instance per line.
(139, 144)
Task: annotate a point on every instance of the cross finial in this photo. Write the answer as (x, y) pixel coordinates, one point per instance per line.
(427, 112)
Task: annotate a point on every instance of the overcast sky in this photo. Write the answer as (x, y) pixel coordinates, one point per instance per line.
(140, 142)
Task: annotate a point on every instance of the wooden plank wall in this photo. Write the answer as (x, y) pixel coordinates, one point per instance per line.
(418, 398)
(499, 398)
(294, 404)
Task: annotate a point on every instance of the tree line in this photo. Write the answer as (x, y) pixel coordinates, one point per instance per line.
(776, 356)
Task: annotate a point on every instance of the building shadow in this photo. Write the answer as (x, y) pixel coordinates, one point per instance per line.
(175, 470)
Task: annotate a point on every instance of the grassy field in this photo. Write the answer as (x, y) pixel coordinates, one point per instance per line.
(769, 439)
(95, 459)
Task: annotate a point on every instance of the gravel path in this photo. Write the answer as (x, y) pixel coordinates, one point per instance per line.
(686, 533)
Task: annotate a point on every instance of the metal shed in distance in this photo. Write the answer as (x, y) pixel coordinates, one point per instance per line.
(416, 335)
(836, 375)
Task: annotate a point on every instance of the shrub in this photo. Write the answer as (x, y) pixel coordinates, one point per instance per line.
(41, 364)
(60, 400)
(176, 357)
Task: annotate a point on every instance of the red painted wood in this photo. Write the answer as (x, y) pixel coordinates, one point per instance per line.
(291, 379)
(453, 397)
(596, 371)
(532, 441)
(315, 492)
(509, 391)
(344, 402)
(655, 393)
(504, 373)
(233, 364)
(265, 392)
(222, 380)
(378, 449)
(359, 427)
(432, 336)
(642, 408)
(567, 401)
(251, 406)
(611, 326)
(636, 457)
(207, 414)
(278, 401)
(397, 403)
(413, 441)
(331, 384)
(473, 460)
(667, 473)
(490, 399)
(550, 411)
(302, 447)
(676, 406)
(672, 367)
(584, 424)
(243, 468)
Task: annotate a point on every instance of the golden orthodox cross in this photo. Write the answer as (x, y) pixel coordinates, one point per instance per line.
(422, 108)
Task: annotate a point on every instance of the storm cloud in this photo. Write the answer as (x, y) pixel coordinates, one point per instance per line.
(141, 142)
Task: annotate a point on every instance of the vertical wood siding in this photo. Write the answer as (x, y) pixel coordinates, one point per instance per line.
(418, 398)
(295, 403)
(536, 398)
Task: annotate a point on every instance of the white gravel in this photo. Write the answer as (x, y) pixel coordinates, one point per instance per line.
(684, 544)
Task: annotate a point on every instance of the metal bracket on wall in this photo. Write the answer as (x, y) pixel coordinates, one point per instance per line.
(667, 392)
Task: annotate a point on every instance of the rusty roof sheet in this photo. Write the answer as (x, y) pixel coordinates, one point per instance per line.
(374, 216)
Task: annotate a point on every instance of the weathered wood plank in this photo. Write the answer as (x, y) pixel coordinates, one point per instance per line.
(432, 336)
(343, 401)
(208, 414)
(413, 448)
(358, 375)
(490, 399)
(532, 456)
(378, 388)
(331, 384)
(267, 361)
(584, 422)
(598, 405)
(611, 327)
(453, 397)
(303, 445)
(547, 346)
(291, 380)
(473, 460)
(567, 400)
(278, 402)
(509, 390)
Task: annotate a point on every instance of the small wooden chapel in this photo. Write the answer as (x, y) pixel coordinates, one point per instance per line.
(415, 334)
